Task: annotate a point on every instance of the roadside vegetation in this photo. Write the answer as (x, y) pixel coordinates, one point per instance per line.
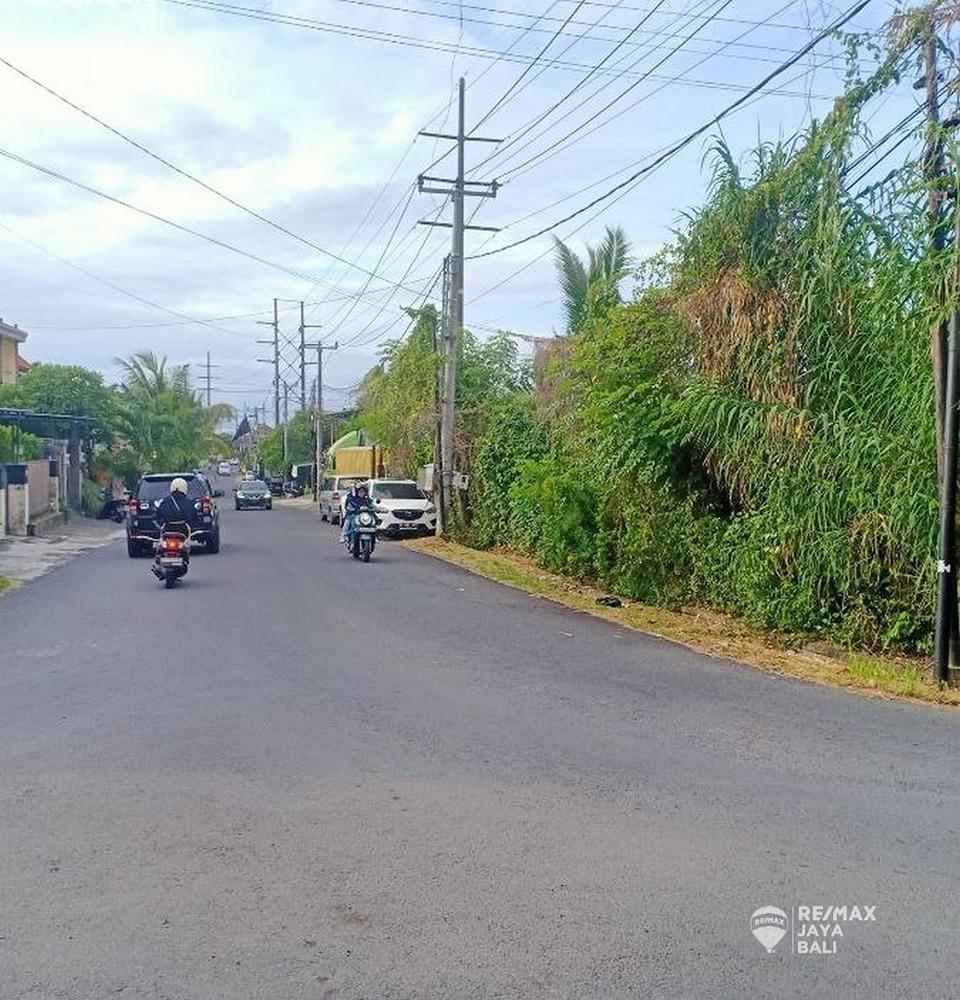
(153, 419)
(744, 422)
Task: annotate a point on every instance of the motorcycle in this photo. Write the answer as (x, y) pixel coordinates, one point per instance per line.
(172, 559)
(364, 539)
(114, 508)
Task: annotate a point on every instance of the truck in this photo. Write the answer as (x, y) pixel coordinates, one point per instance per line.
(361, 460)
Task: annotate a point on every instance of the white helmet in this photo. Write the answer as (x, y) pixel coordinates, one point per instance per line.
(179, 485)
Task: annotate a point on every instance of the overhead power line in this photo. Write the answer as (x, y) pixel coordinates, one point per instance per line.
(592, 124)
(93, 276)
(185, 173)
(690, 137)
(223, 244)
(394, 38)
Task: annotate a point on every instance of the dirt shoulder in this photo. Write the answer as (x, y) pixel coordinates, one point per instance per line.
(705, 630)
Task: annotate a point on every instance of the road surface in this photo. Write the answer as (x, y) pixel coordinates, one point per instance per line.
(300, 776)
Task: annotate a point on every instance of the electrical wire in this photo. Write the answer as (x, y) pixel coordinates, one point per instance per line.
(852, 12)
(93, 276)
(184, 173)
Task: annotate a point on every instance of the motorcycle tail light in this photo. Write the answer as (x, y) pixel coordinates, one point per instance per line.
(172, 544)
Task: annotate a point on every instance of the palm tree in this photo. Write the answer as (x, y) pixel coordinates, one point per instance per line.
(145, 374)
(162, 417)
(592, 286)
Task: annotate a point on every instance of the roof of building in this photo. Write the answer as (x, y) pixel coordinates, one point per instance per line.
(23, 366)
(12, 332)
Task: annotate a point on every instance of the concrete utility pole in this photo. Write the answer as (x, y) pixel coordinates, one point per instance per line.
(275, 361)
(459, 188)
(318, 420)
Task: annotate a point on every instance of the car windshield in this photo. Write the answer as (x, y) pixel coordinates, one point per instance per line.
(346, 483)
(156, 489)
(398, 491)
(254, 487)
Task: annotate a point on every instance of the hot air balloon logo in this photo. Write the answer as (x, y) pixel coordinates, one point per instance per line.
(769, 926)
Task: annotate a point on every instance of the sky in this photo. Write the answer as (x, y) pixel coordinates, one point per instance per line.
(306, 113)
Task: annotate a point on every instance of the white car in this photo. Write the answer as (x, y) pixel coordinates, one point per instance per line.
(403, 508)
(224, 469)
(333, 491)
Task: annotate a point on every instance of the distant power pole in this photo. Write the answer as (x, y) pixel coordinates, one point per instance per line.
(303, 361)
(208, 379)
(458, 188)
(286, 415)
(318, 416)
(275, 361)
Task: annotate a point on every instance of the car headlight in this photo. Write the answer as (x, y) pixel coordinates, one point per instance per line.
(430, 510)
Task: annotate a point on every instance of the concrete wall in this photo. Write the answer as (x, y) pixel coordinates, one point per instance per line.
(38, 487)
(8, 360)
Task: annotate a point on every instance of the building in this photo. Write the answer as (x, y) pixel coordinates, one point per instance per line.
(11, 365)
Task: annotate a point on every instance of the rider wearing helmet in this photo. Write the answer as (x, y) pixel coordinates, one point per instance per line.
(357, 500)
(175, 507)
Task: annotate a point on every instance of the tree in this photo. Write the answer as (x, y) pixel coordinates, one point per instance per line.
(299, 444)
(161, 419)
(593, 286)
(66, 389)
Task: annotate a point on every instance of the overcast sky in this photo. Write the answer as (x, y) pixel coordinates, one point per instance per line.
(312, 125)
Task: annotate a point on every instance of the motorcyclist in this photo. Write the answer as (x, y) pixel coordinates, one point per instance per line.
(358, 499)
(175, 509)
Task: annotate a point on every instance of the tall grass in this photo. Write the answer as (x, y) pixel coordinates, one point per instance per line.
(758, 431)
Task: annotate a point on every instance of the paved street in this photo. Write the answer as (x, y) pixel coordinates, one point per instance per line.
(298, 776)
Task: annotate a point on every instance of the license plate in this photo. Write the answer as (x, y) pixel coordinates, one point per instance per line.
(171, 562)
(407, 526)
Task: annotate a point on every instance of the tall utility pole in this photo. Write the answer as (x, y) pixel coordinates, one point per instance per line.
(275, 360)
(208, 379)
(303, 361)
(318, 416)
(457, 189)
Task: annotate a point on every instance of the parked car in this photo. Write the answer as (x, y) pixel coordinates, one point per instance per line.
(403, 508)
(275, 483)
(224, 469)
(253, 495)
(333, 491)
(142, 528)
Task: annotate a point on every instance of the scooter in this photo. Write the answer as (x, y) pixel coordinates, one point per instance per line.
(364, 539)
(172, 559)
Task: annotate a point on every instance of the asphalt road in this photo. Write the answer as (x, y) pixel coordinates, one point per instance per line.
(300, 776)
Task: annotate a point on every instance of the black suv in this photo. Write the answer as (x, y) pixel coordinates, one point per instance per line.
(143, 530)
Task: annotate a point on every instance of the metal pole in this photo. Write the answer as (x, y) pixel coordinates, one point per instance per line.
(276, 366)
(453, 329)
(933, 171)
(285, 415)
(303, 362)
(944, 646)
(208, 380)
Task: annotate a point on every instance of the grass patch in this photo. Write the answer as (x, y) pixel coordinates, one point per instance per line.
(5, 583)
(702, 629)
(906, 680)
